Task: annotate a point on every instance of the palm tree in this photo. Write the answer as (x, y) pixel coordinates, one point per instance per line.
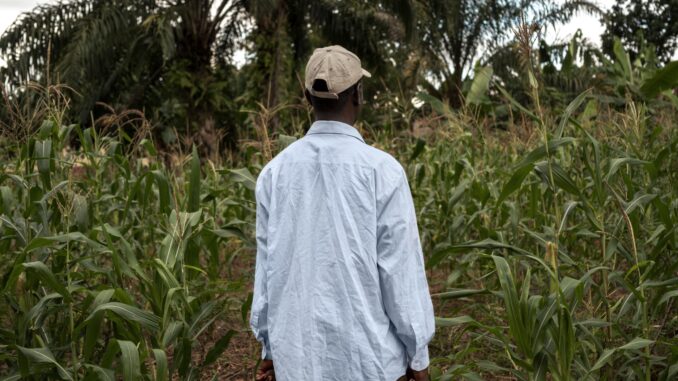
(455, 33)
(119, 52)
(86, 44)
(286, 30)
(140, 53)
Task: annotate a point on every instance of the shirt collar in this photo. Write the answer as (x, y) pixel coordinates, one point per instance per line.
(334, 127)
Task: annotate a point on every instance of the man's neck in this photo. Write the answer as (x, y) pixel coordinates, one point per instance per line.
(337, 118)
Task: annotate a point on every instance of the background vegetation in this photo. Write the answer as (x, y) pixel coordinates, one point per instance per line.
(543, 175)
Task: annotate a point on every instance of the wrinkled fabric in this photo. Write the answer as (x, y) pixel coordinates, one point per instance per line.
(340, 290)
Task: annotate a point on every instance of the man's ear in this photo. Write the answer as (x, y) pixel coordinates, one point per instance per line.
(308, 97)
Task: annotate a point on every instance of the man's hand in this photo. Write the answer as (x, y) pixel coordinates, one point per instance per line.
(417, 375)
(266, 372)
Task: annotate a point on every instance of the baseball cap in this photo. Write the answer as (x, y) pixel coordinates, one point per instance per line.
(339, 68)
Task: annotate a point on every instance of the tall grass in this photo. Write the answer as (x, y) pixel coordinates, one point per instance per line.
(113, 265)
(574, 235)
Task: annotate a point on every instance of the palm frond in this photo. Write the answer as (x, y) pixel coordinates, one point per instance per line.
(36, 37)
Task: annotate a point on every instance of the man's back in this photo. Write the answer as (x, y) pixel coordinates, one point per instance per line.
(340, 290)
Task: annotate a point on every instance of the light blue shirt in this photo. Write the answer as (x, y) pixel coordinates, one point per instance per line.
(340, 291)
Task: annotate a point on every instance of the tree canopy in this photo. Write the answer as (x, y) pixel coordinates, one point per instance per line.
(173, 59)
(641, 22)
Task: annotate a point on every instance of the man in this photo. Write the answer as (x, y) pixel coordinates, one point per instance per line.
(340, 291)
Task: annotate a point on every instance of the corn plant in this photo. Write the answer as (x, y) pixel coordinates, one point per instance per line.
(111, 265)
(581, 228)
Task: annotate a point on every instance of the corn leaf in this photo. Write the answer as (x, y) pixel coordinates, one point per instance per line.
(218, 348)
(460, 293)
(47, 277)
(45, 356)
(662, 79)
(569, 110)
(244, 177)
(129, 356)
(636, 343)
(161, 365)
(130, 313)
(40, 242)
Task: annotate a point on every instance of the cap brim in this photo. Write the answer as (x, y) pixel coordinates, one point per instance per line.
(366, 73)
(323, 94)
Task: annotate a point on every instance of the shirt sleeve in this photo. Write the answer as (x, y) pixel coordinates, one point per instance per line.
(259, 311)
(402, 276)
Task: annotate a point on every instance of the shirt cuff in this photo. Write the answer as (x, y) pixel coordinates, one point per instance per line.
(420, 360)
(266, 352)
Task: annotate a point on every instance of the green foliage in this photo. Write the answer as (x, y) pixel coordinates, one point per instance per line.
(93, 46)
(454, 34)
(131, 54)
(579, 230)
(641, 23)
(102, 274)
(549, 241)
(558, 248)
